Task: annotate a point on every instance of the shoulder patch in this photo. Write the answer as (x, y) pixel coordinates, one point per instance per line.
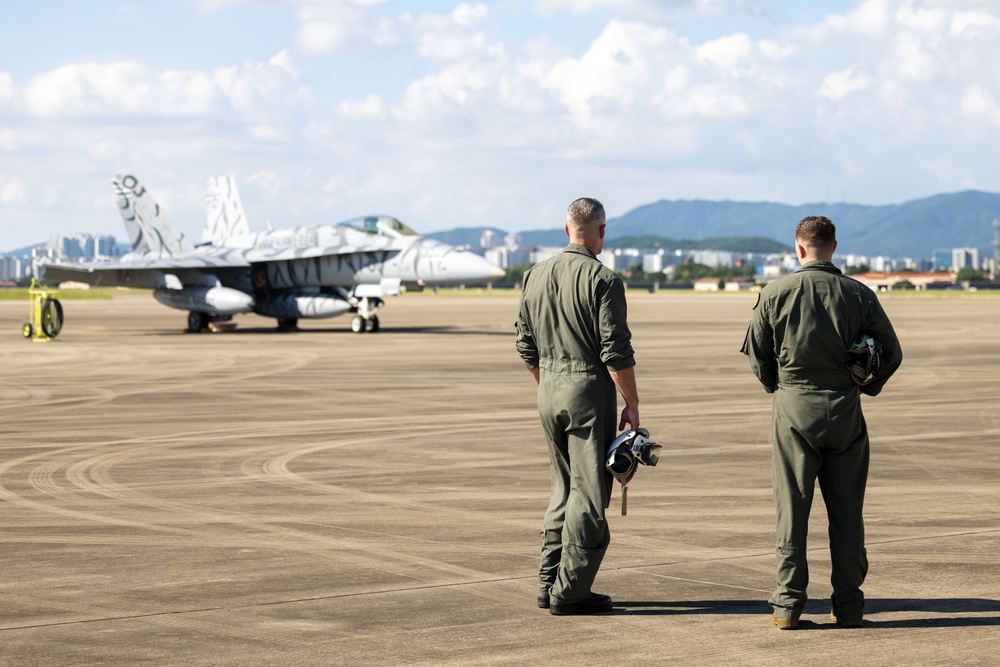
(756, 301)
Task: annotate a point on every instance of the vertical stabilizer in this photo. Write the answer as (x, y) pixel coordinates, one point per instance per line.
(224, 216)
(147, 224)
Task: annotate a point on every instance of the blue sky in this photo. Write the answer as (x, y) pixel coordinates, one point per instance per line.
(449, 114)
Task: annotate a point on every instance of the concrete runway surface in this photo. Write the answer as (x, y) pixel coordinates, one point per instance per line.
(324, 497)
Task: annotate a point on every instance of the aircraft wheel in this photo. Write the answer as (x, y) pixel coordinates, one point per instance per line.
(371, 324)
(358, 324)
(288, 324)
(197, 322)
(27, 330)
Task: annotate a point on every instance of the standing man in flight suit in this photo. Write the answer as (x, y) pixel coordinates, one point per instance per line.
(573, 336)
(800, 331)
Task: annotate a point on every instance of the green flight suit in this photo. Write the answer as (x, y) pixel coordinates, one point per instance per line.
(571, 325)
(797, 342)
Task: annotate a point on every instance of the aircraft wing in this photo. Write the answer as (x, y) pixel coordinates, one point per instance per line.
(103, 275)
(145, 270)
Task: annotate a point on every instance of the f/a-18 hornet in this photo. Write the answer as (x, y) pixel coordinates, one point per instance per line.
(288, 274)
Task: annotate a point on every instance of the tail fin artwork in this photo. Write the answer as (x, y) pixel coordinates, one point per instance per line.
(224, 216)
(149, 229)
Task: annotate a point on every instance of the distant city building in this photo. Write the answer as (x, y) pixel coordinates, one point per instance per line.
(652, 262)
(738, 284)
(941, 259)
(507, 257)
(12, 268)
(706, 285)
(542, 253)
(714, 257)
(107, 246)
(996, 243)
(885, 282)
(608, 259)
(883, 271)
(964, 258)
(77, 247)
(918, 264)
(488, 239)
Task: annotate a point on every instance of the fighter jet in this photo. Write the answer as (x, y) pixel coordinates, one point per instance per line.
(289, 274)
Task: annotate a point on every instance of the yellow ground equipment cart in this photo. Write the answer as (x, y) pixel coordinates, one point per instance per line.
(46, 316)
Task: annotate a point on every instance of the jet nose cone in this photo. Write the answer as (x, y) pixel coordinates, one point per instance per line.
(469, 267)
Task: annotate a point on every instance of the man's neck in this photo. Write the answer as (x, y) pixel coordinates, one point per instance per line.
(591, 246)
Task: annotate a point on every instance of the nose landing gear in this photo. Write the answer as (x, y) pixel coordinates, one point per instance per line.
(364, 324)
(366, 321)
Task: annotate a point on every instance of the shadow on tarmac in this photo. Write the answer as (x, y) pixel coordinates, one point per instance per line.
(436, 330)
(934, 606)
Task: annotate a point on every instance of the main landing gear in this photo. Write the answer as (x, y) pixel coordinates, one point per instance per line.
(198, 322)
(366, 321)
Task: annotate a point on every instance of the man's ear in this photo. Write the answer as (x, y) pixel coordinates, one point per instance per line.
(602, 230)
(800, 250)
(566, 228)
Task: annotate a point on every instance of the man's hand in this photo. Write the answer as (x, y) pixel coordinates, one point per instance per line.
(625, 381)
(534, 374)
(630, 415)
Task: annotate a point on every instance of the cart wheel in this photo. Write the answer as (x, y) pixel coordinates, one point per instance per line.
(52, 317)
(27, 330)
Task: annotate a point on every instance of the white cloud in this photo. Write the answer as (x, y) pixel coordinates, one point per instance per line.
(620, 66)
(333, 26)
(888, 100)
(977, 103)
(6, 89)
(649, 9)
(253, 91)
(371, 107)
(838, 85)
(726, 52)
(975, 21)
(872, 19)
(12, 191)
(453, 37)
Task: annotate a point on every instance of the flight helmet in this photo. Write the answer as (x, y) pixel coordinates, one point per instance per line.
(866, 359)
(624, 455)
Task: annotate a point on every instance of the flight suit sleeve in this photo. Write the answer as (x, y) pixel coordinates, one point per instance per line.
(881, 329)
(525, 340)
(616, 338)
(759, 346)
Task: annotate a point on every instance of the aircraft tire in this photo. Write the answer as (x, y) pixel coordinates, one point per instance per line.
(197, 321)
(358, 324)
(371, 324)
(27, 330)
(52, 317)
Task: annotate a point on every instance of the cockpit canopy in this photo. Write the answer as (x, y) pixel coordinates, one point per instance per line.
(380, 225)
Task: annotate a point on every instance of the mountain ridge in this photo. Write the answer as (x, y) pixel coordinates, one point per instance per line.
(912, 229)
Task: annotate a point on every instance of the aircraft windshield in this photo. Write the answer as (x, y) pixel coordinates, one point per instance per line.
(380, 225)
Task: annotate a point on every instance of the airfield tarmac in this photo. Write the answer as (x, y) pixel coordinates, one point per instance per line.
(324, 497)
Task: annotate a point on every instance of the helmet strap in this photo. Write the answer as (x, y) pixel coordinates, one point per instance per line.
(624, 499)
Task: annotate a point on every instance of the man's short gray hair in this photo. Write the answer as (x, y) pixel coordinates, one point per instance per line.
(584, 211)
